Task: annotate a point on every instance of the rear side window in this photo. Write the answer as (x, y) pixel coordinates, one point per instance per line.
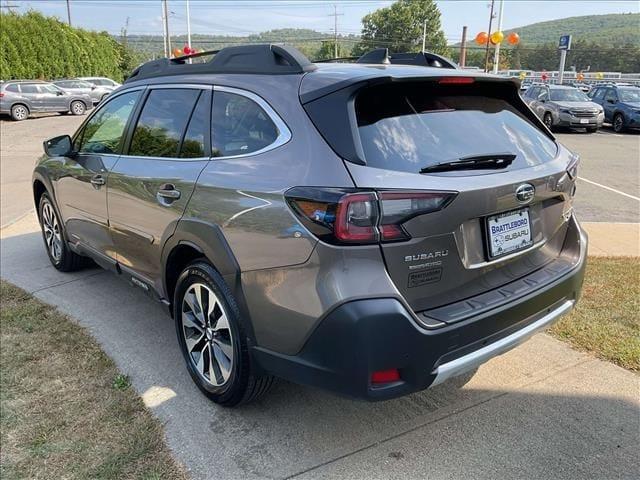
(407, 127)
(239, 125)
(28, 88)
(193, 145)
(12, 88)
(162, 122)
(103, 132)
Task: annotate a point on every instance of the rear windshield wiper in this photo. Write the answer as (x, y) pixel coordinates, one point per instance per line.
(492, 161)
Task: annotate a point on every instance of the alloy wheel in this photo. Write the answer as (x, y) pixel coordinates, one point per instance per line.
(20, 112)
(77, 108)
(207, 334)
(52, 235)
(617, 123)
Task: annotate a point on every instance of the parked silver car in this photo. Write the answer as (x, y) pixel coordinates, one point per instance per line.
(20, 98)
(563, 106)
(71, 85)
(102, 82)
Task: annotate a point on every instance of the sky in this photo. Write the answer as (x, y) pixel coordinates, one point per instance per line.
(242, 17)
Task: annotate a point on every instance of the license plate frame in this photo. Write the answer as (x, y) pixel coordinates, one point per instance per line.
(495, 239)
(584, 121)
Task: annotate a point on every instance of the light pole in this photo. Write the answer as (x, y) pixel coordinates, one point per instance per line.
(188, 28)
(496, 55)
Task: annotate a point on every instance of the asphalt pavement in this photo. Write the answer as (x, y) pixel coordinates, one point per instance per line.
(540, 411)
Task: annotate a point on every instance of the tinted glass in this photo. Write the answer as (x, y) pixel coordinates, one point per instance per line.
(65, 84)
(193, 143)
(162, 122)
(239, 125)
(103, 132)
(611, 95)
(29, 88)
(598, 94)
(565, 95)
(408, 127)
(12, 88)
(629, 94)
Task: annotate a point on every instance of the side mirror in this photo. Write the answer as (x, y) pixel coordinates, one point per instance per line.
(542, 97)
(59, 93)
(611, 100)
(58, 146)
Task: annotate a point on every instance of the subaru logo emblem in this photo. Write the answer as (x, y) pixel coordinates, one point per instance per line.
(525, 193)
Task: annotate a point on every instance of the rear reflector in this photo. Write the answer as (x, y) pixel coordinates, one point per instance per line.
(456, 80)
(385, 376)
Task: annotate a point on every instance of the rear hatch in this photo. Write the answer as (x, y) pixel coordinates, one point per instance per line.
(472, 140)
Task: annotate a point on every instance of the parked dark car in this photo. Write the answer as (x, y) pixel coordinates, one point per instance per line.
(371, 228)
(621, 105)
(563, 106)
(19, 99)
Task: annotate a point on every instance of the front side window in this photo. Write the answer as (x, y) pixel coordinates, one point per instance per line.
(162, 122)
(598, 94)
(103, 133)
(239, 126)
(407, 127)
(611, 96)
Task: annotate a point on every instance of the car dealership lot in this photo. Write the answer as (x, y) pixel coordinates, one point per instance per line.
(540, 411)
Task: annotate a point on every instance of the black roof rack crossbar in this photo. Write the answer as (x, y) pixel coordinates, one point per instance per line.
(381, 56)
(267, 59)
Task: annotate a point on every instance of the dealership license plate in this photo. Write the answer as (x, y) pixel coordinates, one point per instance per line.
(584, 120)
(509, 232)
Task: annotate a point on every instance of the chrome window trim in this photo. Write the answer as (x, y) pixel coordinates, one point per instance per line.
(284, 134)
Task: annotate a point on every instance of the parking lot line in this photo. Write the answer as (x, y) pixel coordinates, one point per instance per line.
(609, 188)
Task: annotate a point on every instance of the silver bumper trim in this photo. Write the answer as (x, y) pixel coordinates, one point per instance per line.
(471, 360)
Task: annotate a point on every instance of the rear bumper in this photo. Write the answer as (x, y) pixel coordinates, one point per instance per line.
(363, 336)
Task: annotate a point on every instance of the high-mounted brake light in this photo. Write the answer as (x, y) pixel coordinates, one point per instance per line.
(343, 216)
(456, 80)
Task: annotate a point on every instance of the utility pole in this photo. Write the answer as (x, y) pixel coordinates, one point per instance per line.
(68, 12)
(486, 55)
(463, 47)
(335, 16)
(496, 55)
(424, 34)
(164, 31)
(165, 11)
(188, 28)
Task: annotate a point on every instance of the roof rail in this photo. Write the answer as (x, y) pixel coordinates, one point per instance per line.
(252, 59)
(382, 56)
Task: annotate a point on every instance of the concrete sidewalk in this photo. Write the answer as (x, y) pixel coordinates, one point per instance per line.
(540, 411)
(613, 239)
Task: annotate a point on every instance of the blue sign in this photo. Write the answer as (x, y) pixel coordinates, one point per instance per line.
(565, 42)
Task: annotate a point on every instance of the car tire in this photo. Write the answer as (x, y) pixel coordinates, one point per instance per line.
(548, 120)
(59, 253)
(77, 107)
(19, 112)
(618, 123)
(214, 344)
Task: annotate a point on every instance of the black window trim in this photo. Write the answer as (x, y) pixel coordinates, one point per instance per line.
(133, 122)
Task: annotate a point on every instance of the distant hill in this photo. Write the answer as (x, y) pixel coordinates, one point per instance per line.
(621, 28)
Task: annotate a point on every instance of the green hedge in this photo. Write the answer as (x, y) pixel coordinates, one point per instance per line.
(38, 47)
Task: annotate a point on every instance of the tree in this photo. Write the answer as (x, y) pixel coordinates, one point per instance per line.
(399, 27)
(327, 50)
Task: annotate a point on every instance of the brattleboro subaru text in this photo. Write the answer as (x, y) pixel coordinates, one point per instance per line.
(372, 228)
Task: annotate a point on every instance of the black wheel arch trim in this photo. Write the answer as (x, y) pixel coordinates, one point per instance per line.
(209, 240)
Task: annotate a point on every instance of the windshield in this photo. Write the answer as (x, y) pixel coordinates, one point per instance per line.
(629, 94)
(566, 95)
(410, 127)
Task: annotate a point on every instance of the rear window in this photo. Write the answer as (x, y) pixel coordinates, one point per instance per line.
(407, 127)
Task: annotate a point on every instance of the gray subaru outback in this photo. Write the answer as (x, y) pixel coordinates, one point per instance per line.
(372, 228)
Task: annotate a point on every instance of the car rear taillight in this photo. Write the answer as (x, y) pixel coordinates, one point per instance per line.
(1, 94)
(343, 216)
(572, 168)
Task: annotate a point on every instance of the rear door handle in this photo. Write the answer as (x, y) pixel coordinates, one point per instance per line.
(97, 180)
